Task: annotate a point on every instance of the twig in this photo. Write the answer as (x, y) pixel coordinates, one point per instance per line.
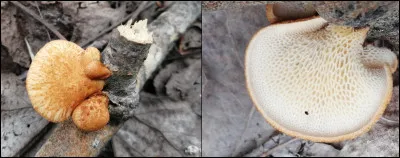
(51, 27)
(389, 122)
(194, 53)
(29, 49)
(269, 152)
(162, 134)
(147, 6)
(131, 16)
(40, 13)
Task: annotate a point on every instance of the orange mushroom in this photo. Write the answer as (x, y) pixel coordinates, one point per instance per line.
(92, 114)
(62, 75)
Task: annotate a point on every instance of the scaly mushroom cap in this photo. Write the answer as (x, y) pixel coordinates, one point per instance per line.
(57, 82)
(92, 114)
(312, 80)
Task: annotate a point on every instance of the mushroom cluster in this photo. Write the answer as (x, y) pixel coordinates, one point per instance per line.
(314, 80)
(65, 80)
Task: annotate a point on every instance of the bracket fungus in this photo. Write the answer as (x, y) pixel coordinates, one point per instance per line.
(62, 75)
(92, 114)
(315, 81)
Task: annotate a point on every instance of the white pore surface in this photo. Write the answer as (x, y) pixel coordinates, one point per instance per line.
(317, 70)
(137, 32)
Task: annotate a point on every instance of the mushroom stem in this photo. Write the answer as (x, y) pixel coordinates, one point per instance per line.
(375, 57)
(270, 14)
(278, 12)
(96, 70)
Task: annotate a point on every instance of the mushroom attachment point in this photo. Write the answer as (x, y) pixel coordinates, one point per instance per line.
(314, 80)
(62, 75)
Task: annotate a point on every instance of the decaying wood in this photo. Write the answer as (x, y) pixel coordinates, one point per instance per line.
(166, 29)
(133, 15)
(124, 59)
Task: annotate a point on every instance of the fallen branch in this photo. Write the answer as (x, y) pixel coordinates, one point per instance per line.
(40, 13)
(167, 28)
(124, 58)
(388, 122)
(31, 13)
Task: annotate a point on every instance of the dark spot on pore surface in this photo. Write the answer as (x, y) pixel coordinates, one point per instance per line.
(5, 137)
(28, 125)
(306, 112)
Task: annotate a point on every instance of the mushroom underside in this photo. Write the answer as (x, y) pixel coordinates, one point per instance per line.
(316, 81)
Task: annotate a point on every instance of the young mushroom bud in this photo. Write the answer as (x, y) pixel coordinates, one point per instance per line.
(92, 114)
(62, 75)
(96, 70)
(315, 81)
